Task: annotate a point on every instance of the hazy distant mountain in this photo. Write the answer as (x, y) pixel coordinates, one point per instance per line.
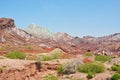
(63, 36)
(39, 31)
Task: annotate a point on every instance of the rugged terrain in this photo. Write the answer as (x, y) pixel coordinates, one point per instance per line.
(55, 50)
(42, 38)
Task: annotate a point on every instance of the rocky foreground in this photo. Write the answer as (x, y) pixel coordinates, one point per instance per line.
(15, 69)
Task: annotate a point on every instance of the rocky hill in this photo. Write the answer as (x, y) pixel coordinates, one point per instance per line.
(10, 35)
(40, 32)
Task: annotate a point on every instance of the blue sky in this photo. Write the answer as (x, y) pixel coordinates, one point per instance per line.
(76, 17)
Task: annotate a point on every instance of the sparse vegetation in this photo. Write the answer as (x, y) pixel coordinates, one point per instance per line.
(93, 67)
(38, 64)
(90, 75)
(60, 69)
(54, 55)
(45, 57)
(76, 79)
(103, 58)
(65, 69)
(31, 57)
(70, 67)
(2, 69)
(116, 77)
(16, 55)
(115, 67)
(50, 77)
(29, 47)
(3, 48)
(88, 54)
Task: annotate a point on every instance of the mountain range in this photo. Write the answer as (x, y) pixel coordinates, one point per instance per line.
(41, 38)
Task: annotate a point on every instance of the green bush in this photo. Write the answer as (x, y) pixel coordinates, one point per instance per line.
(90, 75)
(60, 69)
(88, 54)
(45, 58)
(16, 55)
(94, 67)
(70, 67)
(116, 68)
(116, 77)
(54, 55)
(118, 71)
(103, 58)
(50, 77)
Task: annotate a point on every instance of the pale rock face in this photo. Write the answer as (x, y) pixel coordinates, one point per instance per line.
(40, 32)
(22, 33)
(115, 37)
(44, 45)
(2, 39)
(63, 36)
(44, 33)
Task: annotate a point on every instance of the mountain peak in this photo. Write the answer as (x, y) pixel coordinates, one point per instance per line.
(39, 31)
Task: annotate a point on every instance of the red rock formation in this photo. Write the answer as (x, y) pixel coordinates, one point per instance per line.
(6, 23)
(13, 36)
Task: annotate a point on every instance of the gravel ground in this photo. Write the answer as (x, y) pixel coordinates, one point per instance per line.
(14, 63)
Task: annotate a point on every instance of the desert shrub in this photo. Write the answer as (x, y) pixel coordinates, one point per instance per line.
(88, 54)
(16, 55)
(65, 69)
(60, 69)
(76, 79)
(115, 77)
(38, 64)
(45, 58)
(103, 58)
(90, 75)
(118, 71)
(50, 77)
(31, 57)
(94, 67)
(115, 67)
(56, 55)
(2, 68)
(70, 67)
(29, 47)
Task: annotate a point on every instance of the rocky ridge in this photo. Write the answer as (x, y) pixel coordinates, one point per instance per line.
(10, 35)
